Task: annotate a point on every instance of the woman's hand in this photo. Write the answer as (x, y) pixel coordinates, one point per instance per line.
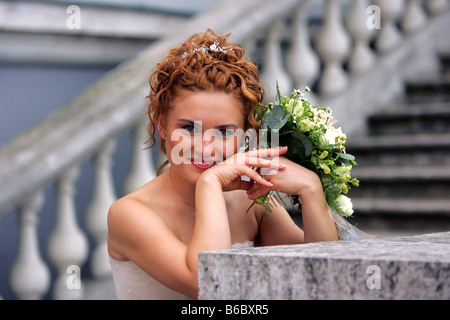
(229, 172)
(293, 179)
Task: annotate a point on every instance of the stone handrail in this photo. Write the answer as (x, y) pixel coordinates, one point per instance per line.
(86, 127)
(392, 268)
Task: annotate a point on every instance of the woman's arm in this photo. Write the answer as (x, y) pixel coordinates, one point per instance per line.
(212, 230)
(317, 222)
(141, 235)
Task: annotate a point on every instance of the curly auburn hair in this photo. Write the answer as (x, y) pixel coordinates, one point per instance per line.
(188, 68)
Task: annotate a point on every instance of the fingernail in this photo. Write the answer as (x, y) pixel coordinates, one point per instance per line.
(282, 166)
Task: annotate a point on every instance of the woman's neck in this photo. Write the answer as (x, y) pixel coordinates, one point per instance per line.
(183, 191)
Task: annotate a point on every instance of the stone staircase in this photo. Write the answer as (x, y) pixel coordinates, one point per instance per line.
(404, 162)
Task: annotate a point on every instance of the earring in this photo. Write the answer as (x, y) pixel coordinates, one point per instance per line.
(164, 136)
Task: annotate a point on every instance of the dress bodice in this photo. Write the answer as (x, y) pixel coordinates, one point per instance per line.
(133, 283)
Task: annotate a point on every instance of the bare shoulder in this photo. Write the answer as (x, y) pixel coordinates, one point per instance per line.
(130, 220)
(134, 207)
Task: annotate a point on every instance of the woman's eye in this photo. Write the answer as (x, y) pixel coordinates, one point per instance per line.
(189, 128)
(226, 132)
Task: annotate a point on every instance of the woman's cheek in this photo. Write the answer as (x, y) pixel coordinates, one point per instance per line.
(179, 145)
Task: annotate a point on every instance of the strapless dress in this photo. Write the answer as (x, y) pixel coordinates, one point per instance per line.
(132, 283)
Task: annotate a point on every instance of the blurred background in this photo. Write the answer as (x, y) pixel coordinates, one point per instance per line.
(73, 81)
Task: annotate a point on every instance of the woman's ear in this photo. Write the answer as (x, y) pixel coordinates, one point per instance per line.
(162, 126)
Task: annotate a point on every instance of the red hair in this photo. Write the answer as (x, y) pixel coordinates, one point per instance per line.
(189, 68)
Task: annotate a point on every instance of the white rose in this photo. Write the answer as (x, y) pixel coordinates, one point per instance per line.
(291, 105)
(345, 204)
(332, 134)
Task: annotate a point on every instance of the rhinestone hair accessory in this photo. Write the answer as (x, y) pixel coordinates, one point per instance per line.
(215, 47)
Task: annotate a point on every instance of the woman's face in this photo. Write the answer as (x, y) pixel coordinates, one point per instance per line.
(201, 129)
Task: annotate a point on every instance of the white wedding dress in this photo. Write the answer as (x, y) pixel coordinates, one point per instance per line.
(132, 283)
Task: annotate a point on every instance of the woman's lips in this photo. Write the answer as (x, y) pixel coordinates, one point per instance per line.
(202, 165)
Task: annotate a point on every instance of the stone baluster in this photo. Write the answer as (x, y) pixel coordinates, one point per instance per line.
(435, 7)
(142, 169)
(97, 212)
(303, 63)
(362, 57)
(389, 37)
(273, 66)
(68, 246)
(29, 277)
(333, 46)
(415, 20)
(415, 17)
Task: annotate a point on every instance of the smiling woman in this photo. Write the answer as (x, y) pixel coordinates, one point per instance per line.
(204, 64)
(202, 100)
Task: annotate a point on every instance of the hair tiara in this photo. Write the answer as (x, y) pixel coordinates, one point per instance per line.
(215, 47)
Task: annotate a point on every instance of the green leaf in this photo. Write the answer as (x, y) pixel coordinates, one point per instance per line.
(277, 117)
(279, 98)
(261, 199)
(346, 156)
(307, 144)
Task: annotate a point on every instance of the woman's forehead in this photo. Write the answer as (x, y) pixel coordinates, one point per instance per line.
(214, 106)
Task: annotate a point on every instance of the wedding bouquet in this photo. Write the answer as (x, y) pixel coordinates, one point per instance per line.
(313, 142)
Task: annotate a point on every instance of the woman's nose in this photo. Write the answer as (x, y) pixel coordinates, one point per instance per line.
(205, 147)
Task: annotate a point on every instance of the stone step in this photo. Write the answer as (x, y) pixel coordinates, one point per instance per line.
(429, 90)
(401, 150)
(402, 182)
(412, 119)
(407, 207)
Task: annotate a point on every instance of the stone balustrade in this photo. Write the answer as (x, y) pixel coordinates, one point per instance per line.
(402, 268)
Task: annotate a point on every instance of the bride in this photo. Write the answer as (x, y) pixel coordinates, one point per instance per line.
(202, 98)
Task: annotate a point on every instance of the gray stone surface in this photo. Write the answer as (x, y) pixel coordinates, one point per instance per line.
(415, 267)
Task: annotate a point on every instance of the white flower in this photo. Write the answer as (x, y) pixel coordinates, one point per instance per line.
(291, 105)
(306, 125)
(343, 170)
(345, 204)
(333, 135)
(214, 47)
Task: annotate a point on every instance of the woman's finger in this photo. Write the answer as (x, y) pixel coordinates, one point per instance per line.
(257, 191)
(273, 165)
(267, 152)
(253, 175)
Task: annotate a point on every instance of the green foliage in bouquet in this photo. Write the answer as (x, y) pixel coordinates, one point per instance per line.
(312, 142)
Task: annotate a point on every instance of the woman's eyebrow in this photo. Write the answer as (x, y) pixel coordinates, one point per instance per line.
(228, 125)
(186, 120)
(221, 126)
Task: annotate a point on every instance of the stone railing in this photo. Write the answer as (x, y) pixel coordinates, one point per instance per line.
(51, 152)
(392, 268)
